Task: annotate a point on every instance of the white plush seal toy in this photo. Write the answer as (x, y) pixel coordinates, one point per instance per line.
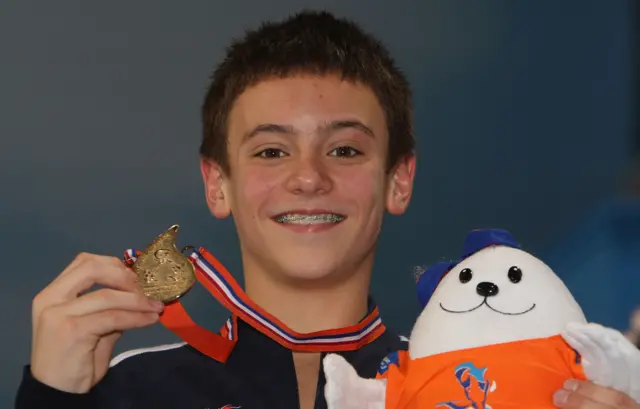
(499, 329)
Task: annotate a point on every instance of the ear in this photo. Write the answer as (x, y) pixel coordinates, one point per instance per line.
(400, 185)
(215, 188)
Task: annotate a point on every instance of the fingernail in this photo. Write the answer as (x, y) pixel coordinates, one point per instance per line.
(153, 317)
(571, 384)
(560, 397)
(158, 305)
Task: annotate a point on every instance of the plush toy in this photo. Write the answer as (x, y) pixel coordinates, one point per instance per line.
(498, 330)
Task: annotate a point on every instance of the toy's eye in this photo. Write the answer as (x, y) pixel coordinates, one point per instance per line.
(515, 274)
(465, 275)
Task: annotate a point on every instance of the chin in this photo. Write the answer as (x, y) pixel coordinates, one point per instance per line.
(316, 263)
(309, 269)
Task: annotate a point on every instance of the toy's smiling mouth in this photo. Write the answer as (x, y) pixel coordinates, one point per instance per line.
(484, 302)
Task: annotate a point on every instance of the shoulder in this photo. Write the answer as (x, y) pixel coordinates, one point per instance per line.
(156, 355)
(400, 342)
(393, 341)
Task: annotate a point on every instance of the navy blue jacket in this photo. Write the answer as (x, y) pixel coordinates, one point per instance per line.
(259, 374)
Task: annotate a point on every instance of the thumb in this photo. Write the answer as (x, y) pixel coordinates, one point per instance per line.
(104, 353)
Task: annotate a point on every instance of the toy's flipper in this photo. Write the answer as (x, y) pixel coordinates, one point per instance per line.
(608, 358)
(345, 389)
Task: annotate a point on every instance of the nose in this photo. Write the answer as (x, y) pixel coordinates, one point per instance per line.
(309, 176)
(486, 289)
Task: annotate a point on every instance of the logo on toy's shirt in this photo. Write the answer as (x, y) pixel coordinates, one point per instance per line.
(476, 388)
(387, 362)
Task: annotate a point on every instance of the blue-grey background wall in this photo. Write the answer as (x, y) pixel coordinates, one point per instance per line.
(523, 110)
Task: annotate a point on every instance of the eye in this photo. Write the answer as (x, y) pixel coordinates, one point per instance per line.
(515, 274)
(270, 153)
(345, 151)
(465, 275)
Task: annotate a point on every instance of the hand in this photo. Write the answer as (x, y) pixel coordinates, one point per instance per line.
(73, 334)
(633, 334)
(588, 395)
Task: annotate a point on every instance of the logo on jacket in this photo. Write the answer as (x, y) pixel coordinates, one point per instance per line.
(230, 407)
(475, 385)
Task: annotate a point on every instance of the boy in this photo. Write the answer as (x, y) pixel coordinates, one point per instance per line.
(307, 141)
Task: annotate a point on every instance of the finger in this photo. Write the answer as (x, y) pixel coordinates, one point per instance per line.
(108, 321)
(588, 393)
(77, 261)
(84, 258)
(104, 351)
(635, 322)
(567, 399)
(92, 272)
(109, 299)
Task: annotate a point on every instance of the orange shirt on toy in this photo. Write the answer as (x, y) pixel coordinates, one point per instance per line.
(521, 374)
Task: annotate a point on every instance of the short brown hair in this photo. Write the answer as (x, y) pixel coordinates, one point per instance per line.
(309, 42)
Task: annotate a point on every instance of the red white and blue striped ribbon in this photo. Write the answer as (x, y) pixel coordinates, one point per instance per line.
(221, 284)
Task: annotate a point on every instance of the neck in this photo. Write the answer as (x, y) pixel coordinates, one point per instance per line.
(309, 307)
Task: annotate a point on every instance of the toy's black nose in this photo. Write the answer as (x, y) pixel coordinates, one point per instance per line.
(487, 289)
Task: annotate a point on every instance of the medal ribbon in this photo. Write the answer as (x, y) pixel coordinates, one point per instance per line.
(224, 288)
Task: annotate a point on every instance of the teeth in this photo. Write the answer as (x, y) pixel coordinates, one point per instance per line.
(310, 218)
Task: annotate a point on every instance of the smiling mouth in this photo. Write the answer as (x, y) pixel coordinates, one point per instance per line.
(484, 302)
(307, 219)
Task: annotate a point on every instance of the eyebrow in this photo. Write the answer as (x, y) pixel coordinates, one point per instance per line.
(325, 128)
(339, 125)
(269, 128)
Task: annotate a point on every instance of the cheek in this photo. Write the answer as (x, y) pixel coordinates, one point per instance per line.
(254, 187)
(366, 188)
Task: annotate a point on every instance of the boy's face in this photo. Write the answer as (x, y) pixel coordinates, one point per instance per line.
(308, 185)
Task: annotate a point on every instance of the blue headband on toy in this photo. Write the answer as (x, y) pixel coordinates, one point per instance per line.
(476, 240)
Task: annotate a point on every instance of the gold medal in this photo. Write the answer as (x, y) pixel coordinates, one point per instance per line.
(163, 271)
